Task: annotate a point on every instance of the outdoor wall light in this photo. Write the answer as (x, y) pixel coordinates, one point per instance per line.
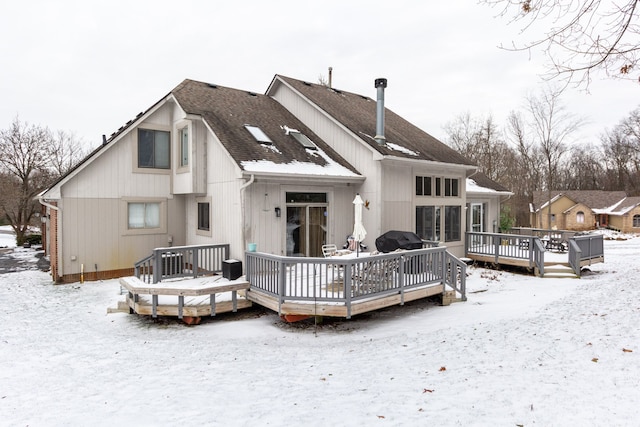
(277, 212)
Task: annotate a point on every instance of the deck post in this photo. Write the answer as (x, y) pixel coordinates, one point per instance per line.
(401, 278)
(282, 278)
(234, 299)
(157, 266)
(347, 287)
(194, 262)
(154, 305)
(180, 305)
(212, 299)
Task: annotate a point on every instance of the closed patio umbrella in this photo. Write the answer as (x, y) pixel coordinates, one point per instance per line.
(359, 233)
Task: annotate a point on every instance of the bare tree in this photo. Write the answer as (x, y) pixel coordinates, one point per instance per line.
(621, 147)
(581, 36)
(583, 170)
(65, 152)
(481, 141)
(25, 152)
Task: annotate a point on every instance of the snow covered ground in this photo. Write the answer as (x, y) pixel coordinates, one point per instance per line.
(521, 351)
(7, 238)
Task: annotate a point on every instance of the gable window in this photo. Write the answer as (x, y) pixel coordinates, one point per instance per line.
(423, 185)
(143, 215)
(451, 187)
(184, 146)
(153, 149)
(580, 217)
(203, 216)
(636, 221)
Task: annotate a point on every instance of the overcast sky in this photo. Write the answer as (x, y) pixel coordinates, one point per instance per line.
(90, 66)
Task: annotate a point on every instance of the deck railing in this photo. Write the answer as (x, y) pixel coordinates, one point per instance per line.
(584, 249)
(347, 280)
(498, 245)
(181, 261)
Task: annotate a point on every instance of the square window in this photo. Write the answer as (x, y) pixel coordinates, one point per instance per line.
(143, 215)
(423, 186)
(451, 187)
(153, 149)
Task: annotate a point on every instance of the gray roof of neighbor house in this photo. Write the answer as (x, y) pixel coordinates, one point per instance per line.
(594, 199)
(358, 114)
(626, 205)
(227, 111)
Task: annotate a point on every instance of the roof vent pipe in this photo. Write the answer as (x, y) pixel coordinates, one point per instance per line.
(330, 77)
(380, 85)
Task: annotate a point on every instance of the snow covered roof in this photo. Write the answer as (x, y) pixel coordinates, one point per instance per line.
(232, 114)
(624, 206)
(480, 183)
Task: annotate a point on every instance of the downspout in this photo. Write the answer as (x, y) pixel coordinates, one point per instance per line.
(242, 207)
(48, 230)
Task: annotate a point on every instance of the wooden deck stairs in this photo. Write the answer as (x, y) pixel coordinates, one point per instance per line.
(559, 271)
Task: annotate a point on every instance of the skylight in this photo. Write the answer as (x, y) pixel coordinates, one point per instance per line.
(258, 134)
(303, 140)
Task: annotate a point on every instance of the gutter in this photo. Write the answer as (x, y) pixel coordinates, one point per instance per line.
(48, 205)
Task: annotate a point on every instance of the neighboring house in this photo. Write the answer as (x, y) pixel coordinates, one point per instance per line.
(583, 210)
(625, 216)
(208, 164)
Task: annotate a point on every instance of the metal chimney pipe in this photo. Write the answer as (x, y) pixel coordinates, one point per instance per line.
(380, 85)
(330, 77)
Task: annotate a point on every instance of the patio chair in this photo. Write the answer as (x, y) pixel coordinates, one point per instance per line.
(329, 250)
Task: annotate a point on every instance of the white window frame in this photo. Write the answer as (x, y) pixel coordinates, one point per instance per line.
(149, 170)
(162, 220)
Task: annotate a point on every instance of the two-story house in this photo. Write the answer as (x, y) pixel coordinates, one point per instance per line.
(211, 164)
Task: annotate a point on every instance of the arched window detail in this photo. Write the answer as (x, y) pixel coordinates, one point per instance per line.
(636, 221)
(580, 217)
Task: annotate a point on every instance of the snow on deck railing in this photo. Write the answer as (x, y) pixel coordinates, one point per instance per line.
(181, 261)
(347, 279)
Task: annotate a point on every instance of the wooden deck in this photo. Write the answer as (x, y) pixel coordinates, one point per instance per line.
(533, 252)
(187, 299)
(337, 309)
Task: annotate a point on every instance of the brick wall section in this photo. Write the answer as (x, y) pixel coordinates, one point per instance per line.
(93, 276)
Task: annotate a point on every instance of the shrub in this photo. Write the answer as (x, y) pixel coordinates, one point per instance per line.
(34, 239)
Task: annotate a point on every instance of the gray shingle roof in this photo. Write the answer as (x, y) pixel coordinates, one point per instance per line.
(358, 114)
(626, 205)
(227, 110)
(484, 181)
